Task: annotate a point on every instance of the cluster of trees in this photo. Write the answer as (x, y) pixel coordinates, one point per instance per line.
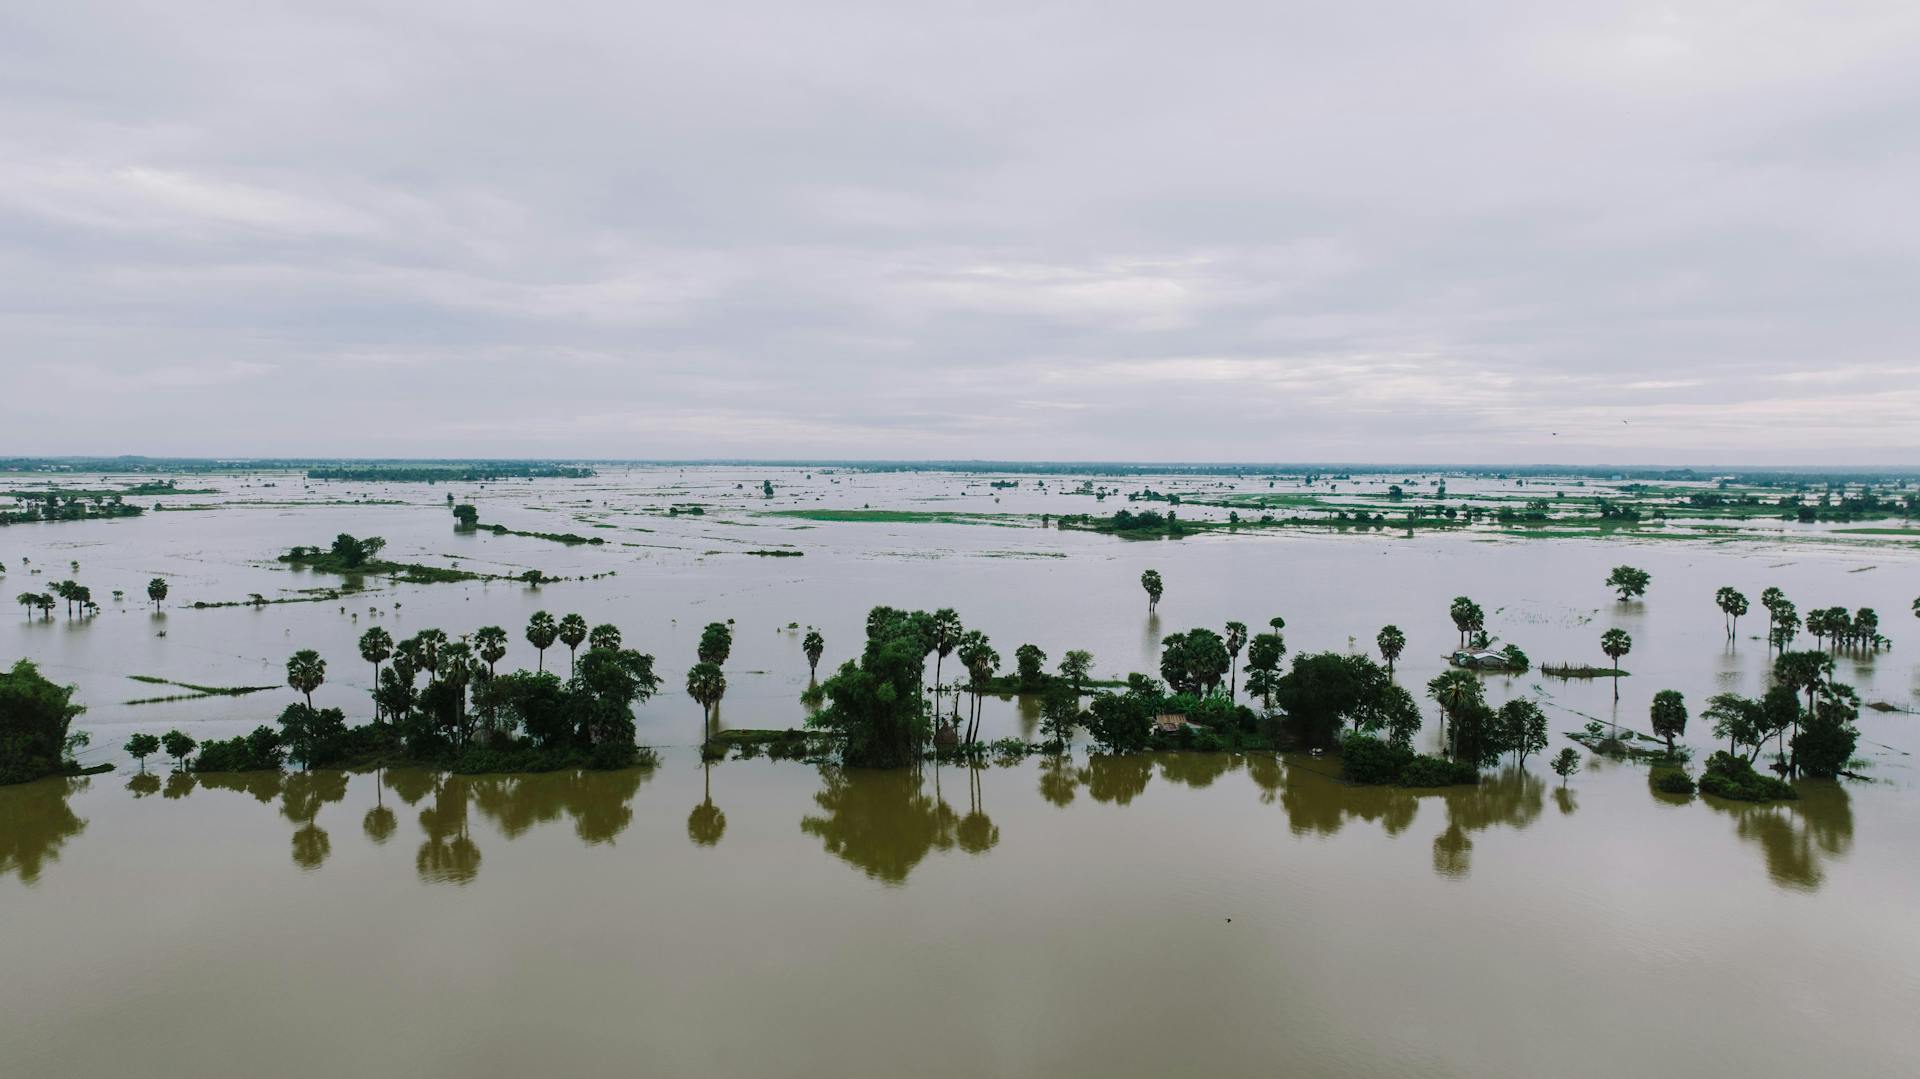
(54, 506)
(467, 714)
(77, 594)
(1833, 627)
(35, 717)
(1815, 738)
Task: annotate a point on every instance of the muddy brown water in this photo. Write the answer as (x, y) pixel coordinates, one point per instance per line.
(1205, 914)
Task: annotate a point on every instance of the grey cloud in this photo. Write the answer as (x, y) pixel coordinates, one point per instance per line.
(1477, 231)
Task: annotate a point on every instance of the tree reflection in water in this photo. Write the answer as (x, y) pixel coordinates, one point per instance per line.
(598, 803)
(448, 855)
(300, 802)
(144, 784)
(976, 833)
(1059, 779)
(1797, 838)
(379, 823)
(1513, 797)
(35, 822)
(884, 823)
(1318, 804)
(706, 824)
(1118, 780)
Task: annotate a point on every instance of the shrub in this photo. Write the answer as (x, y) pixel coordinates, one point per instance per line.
(256, 752)
(1728, 776)
(1671, 780)
(1424, 771)
(1366, 759)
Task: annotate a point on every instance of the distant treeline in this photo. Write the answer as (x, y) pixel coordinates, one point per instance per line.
(475, 473)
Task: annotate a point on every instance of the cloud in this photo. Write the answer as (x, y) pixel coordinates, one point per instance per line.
(1491, 230)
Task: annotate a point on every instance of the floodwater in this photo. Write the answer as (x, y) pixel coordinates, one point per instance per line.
(1184, 914)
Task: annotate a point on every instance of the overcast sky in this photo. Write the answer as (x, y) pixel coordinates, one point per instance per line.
(1456, 231)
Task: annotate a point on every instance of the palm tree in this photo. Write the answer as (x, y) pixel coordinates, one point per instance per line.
(376, 647)
(490, 643)
(431, 642)
(305, 673)
(541, 631)
(1732, 604)
(813, 645)
(1150, 580)
(573, 630)
(29, 600)
(157, 591)
(945, 638)
(1615, 643)
(604, 638)
(1236, 640)
(1453, 691)
(1392, 642)
(1467, 617)
(981, 665)
(706, 684)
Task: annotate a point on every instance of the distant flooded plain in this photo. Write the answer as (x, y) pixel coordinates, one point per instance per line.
(1151, 915)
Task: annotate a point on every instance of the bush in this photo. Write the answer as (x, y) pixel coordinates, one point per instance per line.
(1366, 759)
(1728, 776)
(1424, 771)
(1671, 780)
(256, 752)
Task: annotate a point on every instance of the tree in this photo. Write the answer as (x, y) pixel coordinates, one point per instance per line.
(706, 684)
(1523, 728)
(1740, 720)
(1669, 716)
(305, 673)
(1236, 639)
(490, 644)
(30, 601)
(142, 746)
(1075, 667)
(1326, 690)
(947, 632)
(1616, 643)
(1467, 617)
(376, 647)
(814, 645)
(1732, 604)
(1264, 653)
(428, 644)
(1784, 620)
(1121, 723)
(573, 630)
(466, 516)
(1059, 711)
(876, 703)
(1029, 665)
(1392, 642)
(312, 735)
(178, 746)
(157, 591)
(1567, 763)
(716, 644)
(1194, 661)
(1629, 581)
(1150, 580)
(1457, 693)
(35, 715)
(981, 661)
(605, 637)
(542, 630)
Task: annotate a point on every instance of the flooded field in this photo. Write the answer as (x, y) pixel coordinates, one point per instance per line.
(1149, 915)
